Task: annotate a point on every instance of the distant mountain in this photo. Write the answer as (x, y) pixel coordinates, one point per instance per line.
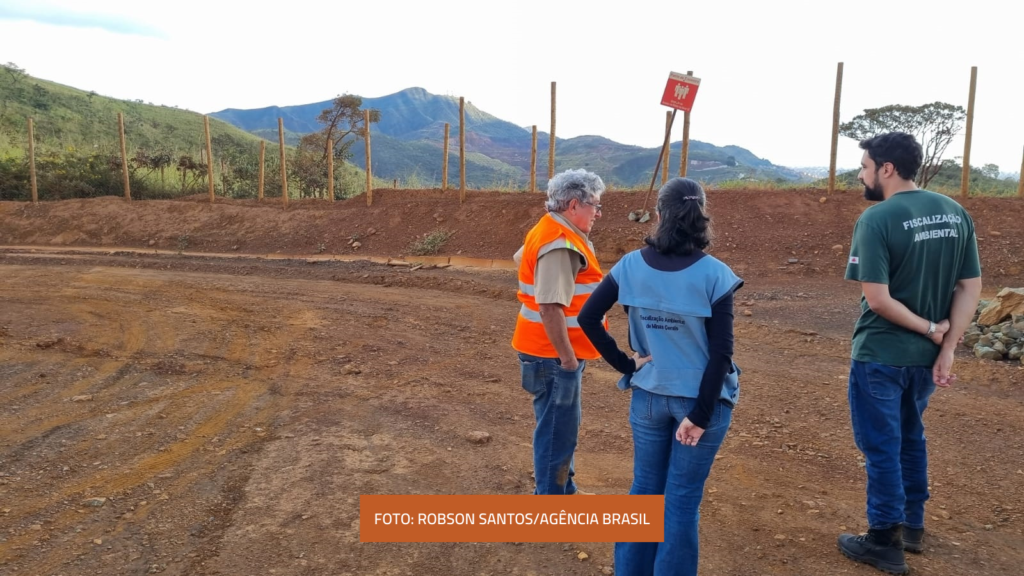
(819, 171)
(408, 143)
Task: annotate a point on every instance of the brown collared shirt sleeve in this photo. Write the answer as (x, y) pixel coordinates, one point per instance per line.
(555, 277)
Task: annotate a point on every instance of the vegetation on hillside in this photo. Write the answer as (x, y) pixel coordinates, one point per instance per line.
(933, 125)
(985, 181)
(78, 148)
(498, 152)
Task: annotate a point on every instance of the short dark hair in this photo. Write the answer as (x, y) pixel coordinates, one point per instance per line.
(684, 226)
(898, 148)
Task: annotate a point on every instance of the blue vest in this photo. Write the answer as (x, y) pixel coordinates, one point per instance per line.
(667, 311)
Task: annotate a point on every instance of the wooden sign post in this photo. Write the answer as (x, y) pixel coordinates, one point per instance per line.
(680, 92)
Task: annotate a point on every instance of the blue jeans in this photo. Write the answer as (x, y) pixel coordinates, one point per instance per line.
(558, 409)
(662, 465)
(886, 404)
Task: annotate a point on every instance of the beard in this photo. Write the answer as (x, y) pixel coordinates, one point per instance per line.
(873, 193)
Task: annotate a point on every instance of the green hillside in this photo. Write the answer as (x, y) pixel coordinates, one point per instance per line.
(66, 117)
(498, 152)
(78, 147)
(946, 181)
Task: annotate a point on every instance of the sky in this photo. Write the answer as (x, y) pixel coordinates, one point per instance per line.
(767, 69)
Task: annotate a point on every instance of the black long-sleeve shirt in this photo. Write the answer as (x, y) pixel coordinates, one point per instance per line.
(719, 328)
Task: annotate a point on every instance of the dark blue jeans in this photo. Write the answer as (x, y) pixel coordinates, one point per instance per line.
(663, 465)
(886, 404)
(558, 409)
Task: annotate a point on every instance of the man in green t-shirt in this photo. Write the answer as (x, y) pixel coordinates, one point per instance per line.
(916, 257)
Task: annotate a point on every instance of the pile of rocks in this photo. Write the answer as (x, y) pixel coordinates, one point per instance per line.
(997, 332)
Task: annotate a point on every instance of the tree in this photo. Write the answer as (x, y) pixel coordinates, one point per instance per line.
(40, 99)
(190, 168)
(730, 161)
(343, 120)
(934, 125)
(16, 73)
(990, 170)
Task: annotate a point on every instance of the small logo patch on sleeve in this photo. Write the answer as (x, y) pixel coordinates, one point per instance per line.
(854, 260)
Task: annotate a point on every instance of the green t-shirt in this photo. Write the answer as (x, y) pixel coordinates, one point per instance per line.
(920, 244)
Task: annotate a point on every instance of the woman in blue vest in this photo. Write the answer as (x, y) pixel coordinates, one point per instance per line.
(684, 384)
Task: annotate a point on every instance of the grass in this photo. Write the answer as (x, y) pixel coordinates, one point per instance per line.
(68, 121)
(66, 116)
(431, 243)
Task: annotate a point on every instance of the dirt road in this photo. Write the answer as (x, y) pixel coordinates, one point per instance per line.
(231, 413)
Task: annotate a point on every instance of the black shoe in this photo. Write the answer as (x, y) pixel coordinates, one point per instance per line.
(913, 540)
(882, 549)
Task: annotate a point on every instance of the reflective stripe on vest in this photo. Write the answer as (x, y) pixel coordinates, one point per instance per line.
(532, 316)
(577, 290)
(564, 243)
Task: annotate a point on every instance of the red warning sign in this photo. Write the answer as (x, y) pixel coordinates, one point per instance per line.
(680, 92)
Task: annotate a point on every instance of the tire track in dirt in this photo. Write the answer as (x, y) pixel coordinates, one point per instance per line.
(435, 364)
(226, 343)
(133, 339)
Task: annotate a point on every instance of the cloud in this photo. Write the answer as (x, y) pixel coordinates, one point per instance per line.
(55, 17)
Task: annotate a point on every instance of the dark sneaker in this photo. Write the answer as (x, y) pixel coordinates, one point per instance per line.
(913, 540)
(882, 549)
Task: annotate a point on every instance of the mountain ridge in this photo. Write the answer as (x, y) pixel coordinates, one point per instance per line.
(413, 119)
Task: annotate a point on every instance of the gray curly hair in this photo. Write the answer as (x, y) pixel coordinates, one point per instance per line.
(573, 185)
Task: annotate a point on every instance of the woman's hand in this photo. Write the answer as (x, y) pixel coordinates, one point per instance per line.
(640, 361)
(688, 433)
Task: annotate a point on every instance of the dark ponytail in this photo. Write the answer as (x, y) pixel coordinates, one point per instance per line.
(684, 226)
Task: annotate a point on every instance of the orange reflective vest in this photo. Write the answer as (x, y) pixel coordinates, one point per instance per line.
(530, 337)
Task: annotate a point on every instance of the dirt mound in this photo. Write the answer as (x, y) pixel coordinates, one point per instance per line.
(759, 233)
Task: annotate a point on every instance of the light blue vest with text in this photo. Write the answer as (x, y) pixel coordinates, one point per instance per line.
(667, 311)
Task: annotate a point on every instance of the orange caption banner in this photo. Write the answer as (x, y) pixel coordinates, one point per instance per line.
(511, 518)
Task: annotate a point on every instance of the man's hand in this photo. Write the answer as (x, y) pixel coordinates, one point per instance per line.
(883, 304)
(638, 361)
(940, 332)
(553, 318)
(571, 364)
(941, 369)
(688, 433)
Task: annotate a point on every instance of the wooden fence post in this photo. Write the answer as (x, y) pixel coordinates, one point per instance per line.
(1020, 179)
(664, 163)
(684, 147)
(462, 149)
(369, 170)
(124, 158)
(835, 130)
(32, 161)
(444, 160)
(284, 167)
(533, 161)
(263, 151)
(551, 147)
(330, 169)
(209, 156)
(965, 176)
(223, 178)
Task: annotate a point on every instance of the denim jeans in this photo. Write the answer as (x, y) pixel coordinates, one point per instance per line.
(558, 409)
(886, 404)
(663, 465)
